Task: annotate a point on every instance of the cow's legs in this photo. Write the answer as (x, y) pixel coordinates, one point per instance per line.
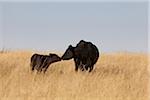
(89, 65)
(81, 66)
(91, 68)
(77, 63)
(86, 67)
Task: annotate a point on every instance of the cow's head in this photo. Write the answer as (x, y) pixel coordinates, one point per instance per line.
(68, 53)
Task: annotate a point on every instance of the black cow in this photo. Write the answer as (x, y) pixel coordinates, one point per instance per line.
(85, 55)
(42, 62)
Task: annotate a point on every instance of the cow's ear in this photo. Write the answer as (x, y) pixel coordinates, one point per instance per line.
(70, 46)
(82, 41)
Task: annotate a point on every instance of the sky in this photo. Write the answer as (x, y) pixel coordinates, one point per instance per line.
(53, 26)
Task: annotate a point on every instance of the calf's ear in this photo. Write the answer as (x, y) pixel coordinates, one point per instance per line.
(50, 55)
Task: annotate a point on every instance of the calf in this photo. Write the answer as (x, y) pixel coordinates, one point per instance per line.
(42, 62)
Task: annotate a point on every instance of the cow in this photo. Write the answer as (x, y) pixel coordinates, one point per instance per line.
(85, 55)
(42, 62)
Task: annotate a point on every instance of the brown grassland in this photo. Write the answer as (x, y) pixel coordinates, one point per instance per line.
(116, 76)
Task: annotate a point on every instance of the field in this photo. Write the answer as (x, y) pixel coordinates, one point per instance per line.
(116, 76)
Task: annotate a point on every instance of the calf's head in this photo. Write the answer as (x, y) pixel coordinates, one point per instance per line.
(53, 58)
(68, 53)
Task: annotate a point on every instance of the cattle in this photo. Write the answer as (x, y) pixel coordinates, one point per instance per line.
(42, 62)
(85, 55)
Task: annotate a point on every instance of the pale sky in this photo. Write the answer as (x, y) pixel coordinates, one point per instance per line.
(111, 26)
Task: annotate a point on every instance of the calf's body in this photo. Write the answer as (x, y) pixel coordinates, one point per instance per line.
(42, 62)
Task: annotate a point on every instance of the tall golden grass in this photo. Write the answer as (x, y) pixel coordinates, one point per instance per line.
(116, 76)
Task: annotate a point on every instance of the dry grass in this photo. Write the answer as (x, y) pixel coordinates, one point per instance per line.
(118, 76)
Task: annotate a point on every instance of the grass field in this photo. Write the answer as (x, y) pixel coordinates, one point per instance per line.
(116, 76)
